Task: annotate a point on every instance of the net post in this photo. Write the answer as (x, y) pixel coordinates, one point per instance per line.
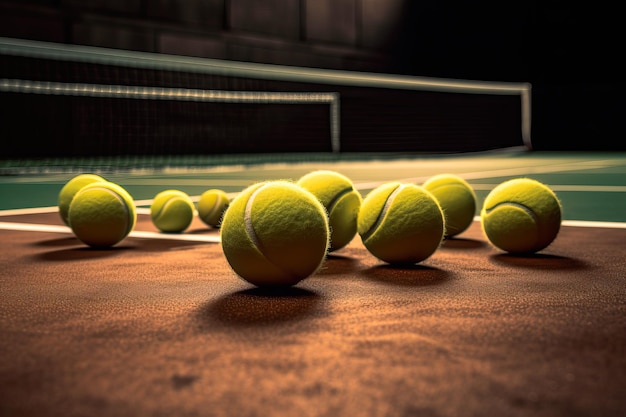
(335, 124)
(525, 97)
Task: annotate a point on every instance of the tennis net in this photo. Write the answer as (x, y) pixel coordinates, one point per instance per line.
(70, 102)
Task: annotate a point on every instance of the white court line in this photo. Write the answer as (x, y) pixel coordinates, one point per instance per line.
(35, 210)
(526, 171)
(359, 186)
(511, 172)
(194, 198)
(181, 236)
(148, 212)
(31, 227)
(575, 188)
(584, 223)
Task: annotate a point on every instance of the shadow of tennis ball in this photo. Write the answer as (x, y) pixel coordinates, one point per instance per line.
(539, 261)
(338, 265)
(413, 275)
(462, 243)
(262, 306)
(81, 253)
(56, 242)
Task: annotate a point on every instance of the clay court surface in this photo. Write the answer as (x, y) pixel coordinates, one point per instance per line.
(159, 325)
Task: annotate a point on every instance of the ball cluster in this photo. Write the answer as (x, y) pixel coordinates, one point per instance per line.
(276, 233)
(268, 234)
(272, 233)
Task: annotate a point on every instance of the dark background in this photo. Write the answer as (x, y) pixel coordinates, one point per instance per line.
(570, 53)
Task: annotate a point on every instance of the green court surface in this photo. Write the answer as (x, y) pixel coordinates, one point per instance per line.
(591, 186)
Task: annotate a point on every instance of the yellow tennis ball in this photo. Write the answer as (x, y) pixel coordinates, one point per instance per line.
(102, 214)
(70, 189)
(275, 233)
(172, 211)
(212, 205)
(401, 223)
(457, 200)
(342, 202)
(521, 215)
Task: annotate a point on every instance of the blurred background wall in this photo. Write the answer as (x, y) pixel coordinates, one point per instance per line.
(570, 53)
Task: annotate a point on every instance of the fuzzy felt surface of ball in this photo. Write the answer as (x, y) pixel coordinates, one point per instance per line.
(69, 190)
(401, 223)
(102, 214)
(521, 215)
(457, 200)
(172, 211)
(341, 200)
(275, 234)
(212, 205)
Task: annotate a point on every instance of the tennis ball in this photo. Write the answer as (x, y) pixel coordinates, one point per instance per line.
(70, 189)
(212, 205)
(457, 200)
(172, 211)
(342, 202)
(101, 214)
(401, 223)
(521, 215)
(275, 233)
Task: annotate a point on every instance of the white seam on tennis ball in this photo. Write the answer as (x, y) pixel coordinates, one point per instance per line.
(333, 202)
(166, 204)
(155, 215)
(124, 204)
(218, 202)
(512, 203)
(247, 218)
(383, 211)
